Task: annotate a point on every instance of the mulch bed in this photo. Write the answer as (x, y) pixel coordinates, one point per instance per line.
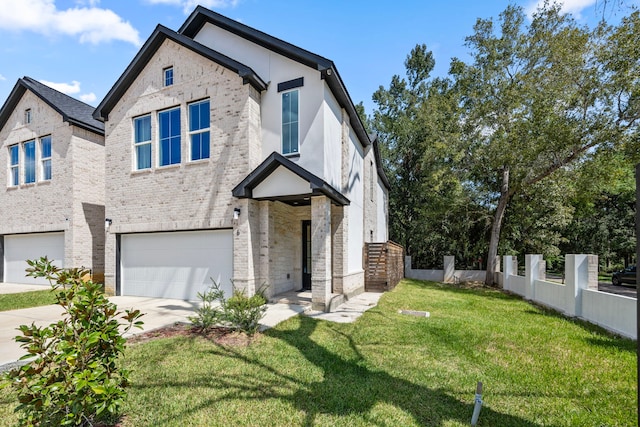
(218, 335)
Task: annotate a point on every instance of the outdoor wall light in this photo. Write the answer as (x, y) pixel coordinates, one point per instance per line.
(236, 213)
(107, 223)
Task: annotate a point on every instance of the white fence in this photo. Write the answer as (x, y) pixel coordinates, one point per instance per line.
(578, 296)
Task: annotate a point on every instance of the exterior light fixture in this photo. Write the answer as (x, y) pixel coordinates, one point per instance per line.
(236, 213)
(107, 223)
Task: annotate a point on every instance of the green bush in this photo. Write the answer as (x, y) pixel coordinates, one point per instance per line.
(74, 378)
(239, 312)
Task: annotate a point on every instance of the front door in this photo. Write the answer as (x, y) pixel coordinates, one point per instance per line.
(306, 255)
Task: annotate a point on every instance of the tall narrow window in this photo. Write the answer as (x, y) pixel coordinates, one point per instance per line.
(27, 116)
(45, 158)
(168, 76)
(29, 162)
(290, 122)
(14, 165)
(169, 128)
(199, 118)
(142, 142)
(372, 182)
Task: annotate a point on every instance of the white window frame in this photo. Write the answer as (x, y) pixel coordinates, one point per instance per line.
(159, 137)
(27, 116)
(282, 124)
(139, 144)
(45, 160)
(190, 133)
(12, 166)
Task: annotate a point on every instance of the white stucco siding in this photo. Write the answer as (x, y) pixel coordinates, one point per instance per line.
(274, 68)
(354, 193)
(332, 139)
(282, 182)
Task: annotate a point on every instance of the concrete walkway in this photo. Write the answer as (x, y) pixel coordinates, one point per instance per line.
(14, 288)
(163, 312)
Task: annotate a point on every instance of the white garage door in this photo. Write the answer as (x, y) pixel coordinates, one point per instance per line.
(177, 264)
(20, 247)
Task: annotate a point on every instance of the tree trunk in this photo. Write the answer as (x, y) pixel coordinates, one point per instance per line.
(497, 226)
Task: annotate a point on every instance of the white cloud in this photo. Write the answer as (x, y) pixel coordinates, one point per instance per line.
(66, 88)
(189, 5)
(574, 7)
(2, 78)
(88, 97)
(90, 24)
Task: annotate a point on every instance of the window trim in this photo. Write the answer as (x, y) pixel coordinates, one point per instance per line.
(27, 116)
(191, 133)
(167, 80)
(16, 166)
(139, 144)
(282, 124)
(45, 160)
(179, 135)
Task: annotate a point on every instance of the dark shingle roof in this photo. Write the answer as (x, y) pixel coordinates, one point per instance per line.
(159, 35)
(72, 111)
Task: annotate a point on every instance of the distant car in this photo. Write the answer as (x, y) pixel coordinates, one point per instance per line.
(628, 275)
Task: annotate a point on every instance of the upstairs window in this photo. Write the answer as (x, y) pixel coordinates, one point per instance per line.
(199, 123)
(290, 124)
(45, 158)
(14, 165)
(169, 130)
(27, 116)
(142, 142)
(168, 76)
(29, 162)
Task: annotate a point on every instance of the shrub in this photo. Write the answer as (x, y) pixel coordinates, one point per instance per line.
(239, 312)
(74, 379)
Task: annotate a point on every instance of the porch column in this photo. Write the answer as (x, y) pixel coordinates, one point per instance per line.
(320, 252)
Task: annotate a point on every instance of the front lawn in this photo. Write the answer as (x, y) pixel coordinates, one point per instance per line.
(26, 299)
(390, 369)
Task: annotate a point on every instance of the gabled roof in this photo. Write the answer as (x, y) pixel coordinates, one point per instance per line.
(72, 111)
(327, 68)
(153, 43)
(317, 185)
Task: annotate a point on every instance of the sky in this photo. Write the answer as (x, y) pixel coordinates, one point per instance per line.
(81, 47)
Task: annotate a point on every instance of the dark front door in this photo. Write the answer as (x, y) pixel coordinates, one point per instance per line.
(306, 255)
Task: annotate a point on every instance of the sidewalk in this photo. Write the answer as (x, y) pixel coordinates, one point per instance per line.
(164, 312)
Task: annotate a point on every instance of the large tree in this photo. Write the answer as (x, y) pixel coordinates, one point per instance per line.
(540, 97)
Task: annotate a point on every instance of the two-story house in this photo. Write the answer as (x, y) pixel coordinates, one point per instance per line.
(52, 197)
(236, 156)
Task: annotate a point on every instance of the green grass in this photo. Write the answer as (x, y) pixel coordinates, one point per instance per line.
(26, 299)
(388, 369)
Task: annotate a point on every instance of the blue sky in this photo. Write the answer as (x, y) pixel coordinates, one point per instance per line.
(81, 47)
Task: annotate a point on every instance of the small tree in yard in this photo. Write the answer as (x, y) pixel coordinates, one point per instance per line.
(239, 312)
(74, 379)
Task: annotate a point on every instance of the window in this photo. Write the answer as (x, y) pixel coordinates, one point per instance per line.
(169, 129)
(14, 165)
(142, 142)
(290, 122)
(45, 158)
(372, 181)
(27, 116)
(29, 162)
(168, 76)
(199, 118)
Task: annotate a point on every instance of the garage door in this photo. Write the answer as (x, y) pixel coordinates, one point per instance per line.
(20, 247)
(176, 264)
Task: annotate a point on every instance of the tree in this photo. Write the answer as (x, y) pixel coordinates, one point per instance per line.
(539, 98)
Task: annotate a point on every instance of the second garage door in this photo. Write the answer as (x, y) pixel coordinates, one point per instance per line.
(177, 264)
(20, 247)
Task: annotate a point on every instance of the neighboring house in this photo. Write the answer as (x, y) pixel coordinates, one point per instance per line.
(52, 175)
(233, 155)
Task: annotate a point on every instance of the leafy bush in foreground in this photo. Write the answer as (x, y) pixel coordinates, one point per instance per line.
(74, 379)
